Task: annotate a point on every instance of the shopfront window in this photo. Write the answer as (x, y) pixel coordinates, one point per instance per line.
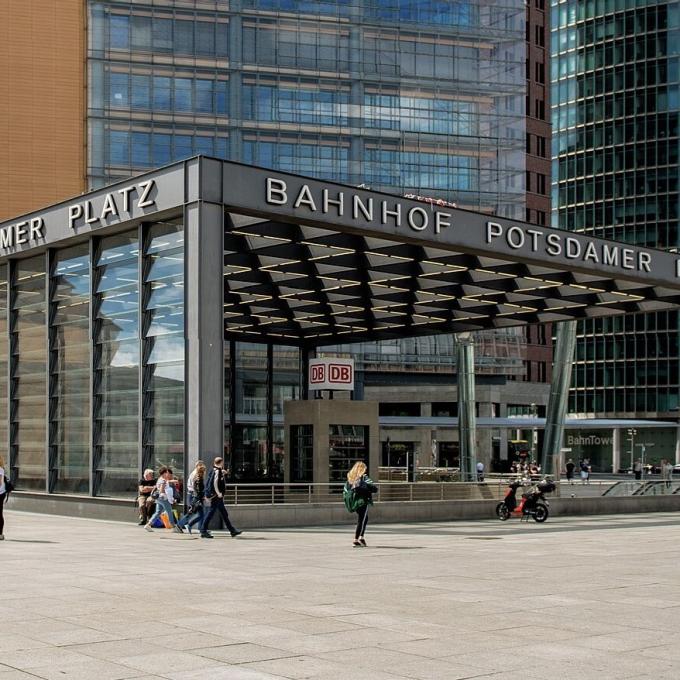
(250, 440)
(163, 330)
(116, 364)
(28, 389)
(347, 445)
(69, 368)
(302, 453)
(249, 459)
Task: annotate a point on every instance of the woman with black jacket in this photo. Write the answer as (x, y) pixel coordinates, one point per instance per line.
(359, 490)
(194, 515)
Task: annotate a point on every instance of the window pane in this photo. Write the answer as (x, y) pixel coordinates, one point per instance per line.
(163, 374)
(116, 365)
(29, 384)
(70, 371)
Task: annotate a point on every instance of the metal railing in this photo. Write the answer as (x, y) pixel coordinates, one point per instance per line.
(422, 474)
(643, 488)
(307, 493)
(493, 488)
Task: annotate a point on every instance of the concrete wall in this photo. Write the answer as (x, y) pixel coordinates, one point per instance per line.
(321, 414)
(320, 514)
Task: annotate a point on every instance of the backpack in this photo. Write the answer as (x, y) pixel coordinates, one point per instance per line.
(349, 497)
(210, 485)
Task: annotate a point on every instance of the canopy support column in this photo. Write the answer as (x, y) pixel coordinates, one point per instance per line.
(563, 360)
(204, 292)
(467, 435)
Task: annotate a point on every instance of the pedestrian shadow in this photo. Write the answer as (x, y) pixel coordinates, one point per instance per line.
(395, 547)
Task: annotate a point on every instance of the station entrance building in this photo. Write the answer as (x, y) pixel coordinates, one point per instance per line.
(120, 310)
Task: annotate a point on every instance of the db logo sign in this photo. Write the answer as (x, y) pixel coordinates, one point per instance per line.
(340, 373)
(331, 374)
(317, 373)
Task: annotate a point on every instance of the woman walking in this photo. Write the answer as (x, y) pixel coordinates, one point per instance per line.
(196, 485)
(163, 494)
(3, 498)
(360, 489)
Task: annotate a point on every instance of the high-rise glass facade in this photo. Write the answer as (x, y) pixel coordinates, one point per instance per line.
(616, 105)
(423, 98)
(412, 97)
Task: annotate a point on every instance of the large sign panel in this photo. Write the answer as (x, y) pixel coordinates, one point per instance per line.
(115, 205)
(331, 374)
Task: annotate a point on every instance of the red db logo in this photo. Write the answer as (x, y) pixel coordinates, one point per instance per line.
(318, 373)
(340, 373)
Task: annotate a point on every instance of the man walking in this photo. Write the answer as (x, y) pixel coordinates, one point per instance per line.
(215, 489)
(666, 474)
(637, 469)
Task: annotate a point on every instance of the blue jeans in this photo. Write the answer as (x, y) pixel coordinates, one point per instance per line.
(163, 505)
(189, 518)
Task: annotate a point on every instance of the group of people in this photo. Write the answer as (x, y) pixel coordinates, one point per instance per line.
(584, 470)
(157, 496)
(161, 495)
(526, 468)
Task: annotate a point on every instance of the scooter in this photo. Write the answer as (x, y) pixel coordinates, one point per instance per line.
(533, 503)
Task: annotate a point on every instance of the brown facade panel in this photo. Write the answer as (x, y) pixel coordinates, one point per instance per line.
(538, 164)
(42, 103)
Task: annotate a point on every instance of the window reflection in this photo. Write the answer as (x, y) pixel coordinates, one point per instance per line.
(163, 375)
(69, 437)
(29, 355)
(116, 364)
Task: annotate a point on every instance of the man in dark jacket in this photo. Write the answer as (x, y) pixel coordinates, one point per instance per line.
(215, 489)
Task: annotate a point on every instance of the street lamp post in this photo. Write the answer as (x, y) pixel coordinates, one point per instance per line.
(631, 438)
(643, 448)
(534, 433)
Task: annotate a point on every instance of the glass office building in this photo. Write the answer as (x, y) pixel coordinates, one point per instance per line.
(411, 97)
(421, 98)
(616, 103)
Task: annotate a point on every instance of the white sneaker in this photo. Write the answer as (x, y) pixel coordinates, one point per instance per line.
(148, 527)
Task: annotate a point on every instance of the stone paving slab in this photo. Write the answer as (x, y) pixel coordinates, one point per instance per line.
(576, 598)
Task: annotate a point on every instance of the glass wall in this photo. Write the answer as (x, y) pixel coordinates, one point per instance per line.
(301, 453)
(69, 370)
(29, 385)
(95, 340)
(116, 376)
(251, 444)
(347, 444)
(163, 357)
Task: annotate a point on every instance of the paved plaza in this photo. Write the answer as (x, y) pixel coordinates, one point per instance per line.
(575, 598)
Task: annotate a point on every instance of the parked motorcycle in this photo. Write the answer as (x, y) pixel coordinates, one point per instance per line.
(532, 504)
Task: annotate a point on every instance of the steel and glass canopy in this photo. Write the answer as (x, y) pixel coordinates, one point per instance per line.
(313, 263)
(308, 262)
